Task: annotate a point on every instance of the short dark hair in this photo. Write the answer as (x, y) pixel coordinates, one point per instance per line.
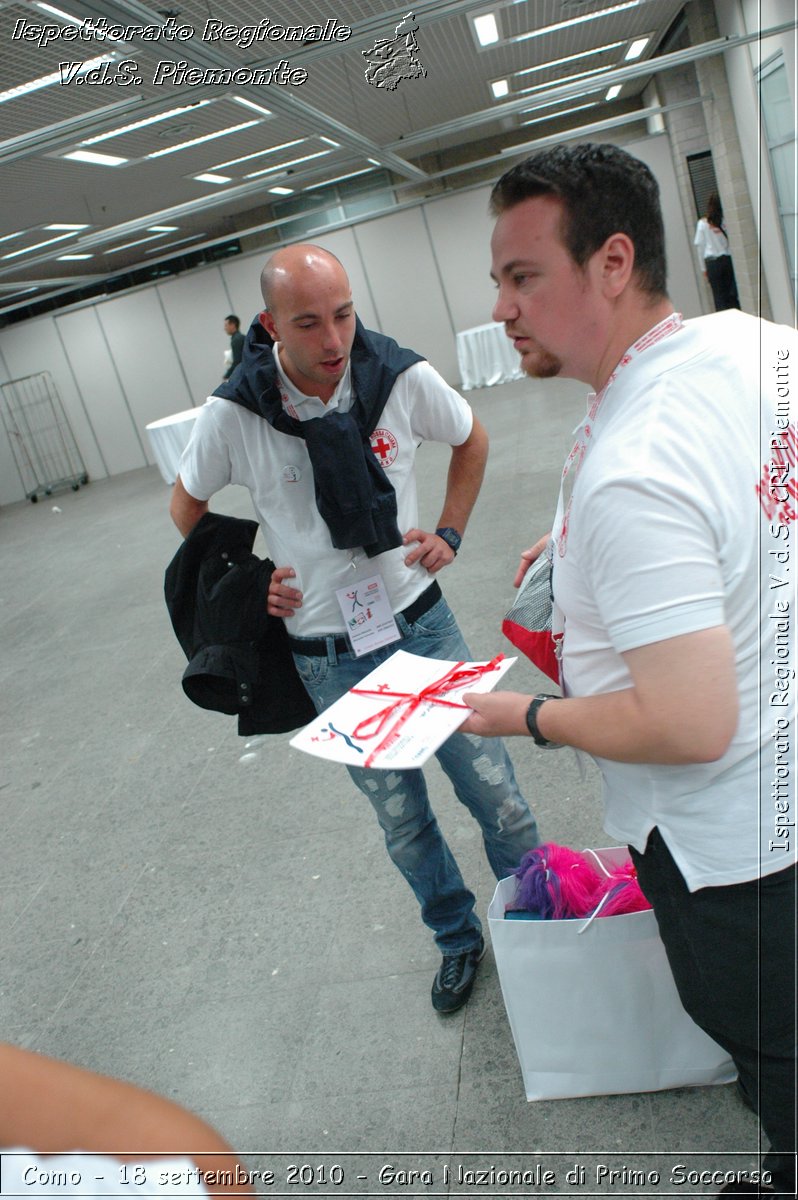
(233, 319)
(604, 190)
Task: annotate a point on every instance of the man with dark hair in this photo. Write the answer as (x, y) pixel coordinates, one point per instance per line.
(672, 550)
(603, 191)
(232, 327)
(322, 423)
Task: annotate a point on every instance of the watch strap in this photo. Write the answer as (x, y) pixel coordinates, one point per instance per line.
(452, 538)
(532, 721)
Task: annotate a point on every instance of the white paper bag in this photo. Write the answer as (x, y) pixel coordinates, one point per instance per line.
(597, 1012)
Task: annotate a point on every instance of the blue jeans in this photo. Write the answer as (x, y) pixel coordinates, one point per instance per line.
(479, 769)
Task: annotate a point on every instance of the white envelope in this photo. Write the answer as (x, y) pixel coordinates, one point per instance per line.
(386, 722)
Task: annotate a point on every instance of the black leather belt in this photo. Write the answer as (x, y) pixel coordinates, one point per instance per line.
(315, 647)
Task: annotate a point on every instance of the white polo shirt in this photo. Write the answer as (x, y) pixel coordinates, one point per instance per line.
(230, 444)
(668, 534)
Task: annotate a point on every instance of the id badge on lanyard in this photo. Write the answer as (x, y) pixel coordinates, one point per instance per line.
(368, 615)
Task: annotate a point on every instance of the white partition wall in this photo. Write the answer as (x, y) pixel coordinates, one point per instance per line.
(460, 229)
(406, 286)
(682, 286)
(241, 279)
(146, 359)
(98, 382)
(195, 306)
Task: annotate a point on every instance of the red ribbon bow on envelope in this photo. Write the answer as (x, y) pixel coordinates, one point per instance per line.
(433, 693)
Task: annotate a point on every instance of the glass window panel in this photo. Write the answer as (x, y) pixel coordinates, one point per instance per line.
(776, 105)
(783, 162)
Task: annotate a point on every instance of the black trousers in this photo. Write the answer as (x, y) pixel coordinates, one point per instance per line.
(720, 274)
(732, 953)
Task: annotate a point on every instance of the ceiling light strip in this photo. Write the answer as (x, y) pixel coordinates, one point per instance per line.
(129, 245)
(565, 112)
(45, 81)
(572, 21)
(339, 178)
(95, 158)
(163, 116)
(29, 249)
(293, 162)
(206, 137)
(642, 114)
(608, 76)
(232, 162)
(560, 62)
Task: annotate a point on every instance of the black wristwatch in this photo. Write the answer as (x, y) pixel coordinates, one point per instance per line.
(450, 536)
(532, 722)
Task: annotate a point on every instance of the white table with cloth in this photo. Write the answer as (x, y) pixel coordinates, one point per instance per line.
(486, 357)
(169, 438)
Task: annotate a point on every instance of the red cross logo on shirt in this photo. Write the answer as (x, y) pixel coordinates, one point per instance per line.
(385, 446)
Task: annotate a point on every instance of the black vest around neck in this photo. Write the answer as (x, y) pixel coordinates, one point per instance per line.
(353, 494)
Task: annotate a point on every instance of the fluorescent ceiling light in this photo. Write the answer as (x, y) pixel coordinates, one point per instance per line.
(59, 12)
(593, 16)
(66, 227)
(164, 116)
(584, 77)
(338, 178)
(374, 162)
(558, 62)
(267, 112)
(168, 245)
(613, 92)
(636, 49)
(91, 156)
(208, 177)
(8, 236)
(97, 34)
(282, 191)
(73, 257)
(554, 103)
(486, 29)
(206, 137)
(130, 245)
(500, 87)
(231, 162)
(282, 166)
(566, 112)
(34, 85)
(330, 142)
(38, 246)
(163, 228)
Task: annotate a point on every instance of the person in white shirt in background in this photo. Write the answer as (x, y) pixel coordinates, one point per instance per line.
(714, 256)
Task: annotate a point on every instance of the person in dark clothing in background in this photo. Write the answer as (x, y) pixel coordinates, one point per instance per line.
(232, 326)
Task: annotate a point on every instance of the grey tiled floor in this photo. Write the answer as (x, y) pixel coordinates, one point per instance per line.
(231, 933)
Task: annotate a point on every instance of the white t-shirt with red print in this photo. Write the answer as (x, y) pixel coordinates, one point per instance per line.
(682, 518)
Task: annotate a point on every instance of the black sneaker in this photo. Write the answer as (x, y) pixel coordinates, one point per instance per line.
(455, 979)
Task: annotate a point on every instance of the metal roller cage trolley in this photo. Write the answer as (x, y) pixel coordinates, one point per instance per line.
(42, 442)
